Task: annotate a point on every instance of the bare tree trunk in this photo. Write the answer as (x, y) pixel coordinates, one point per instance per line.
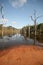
(35, 32)
(2, 31)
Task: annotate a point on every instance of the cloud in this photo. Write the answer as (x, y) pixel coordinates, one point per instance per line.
(4, 20)
(17, 3)
(14, 22)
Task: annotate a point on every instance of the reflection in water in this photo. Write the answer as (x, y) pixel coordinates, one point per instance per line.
(15, 40)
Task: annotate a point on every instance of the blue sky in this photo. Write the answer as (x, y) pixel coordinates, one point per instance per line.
(18, 12)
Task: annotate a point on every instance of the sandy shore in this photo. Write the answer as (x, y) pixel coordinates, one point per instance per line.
(22, 55)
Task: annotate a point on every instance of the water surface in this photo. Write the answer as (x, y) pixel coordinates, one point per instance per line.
(16, 39)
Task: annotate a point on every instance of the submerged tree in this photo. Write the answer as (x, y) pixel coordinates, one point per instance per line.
(35, 20)
(1, 10)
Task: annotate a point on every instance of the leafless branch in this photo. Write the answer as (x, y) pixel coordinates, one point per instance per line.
(32, 18)
(39, 16)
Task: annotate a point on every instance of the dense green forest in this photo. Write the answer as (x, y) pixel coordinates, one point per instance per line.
(29, 31)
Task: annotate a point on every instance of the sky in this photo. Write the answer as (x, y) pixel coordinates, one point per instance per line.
(17, 12)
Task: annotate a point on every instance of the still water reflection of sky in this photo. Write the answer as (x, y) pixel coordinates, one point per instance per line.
(15, 40)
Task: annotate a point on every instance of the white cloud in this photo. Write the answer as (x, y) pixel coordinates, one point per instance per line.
(17, 3)
(14, 22)
(4, 20)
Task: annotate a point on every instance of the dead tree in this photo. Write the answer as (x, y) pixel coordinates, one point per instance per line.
(35, 20)
(1, 10)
